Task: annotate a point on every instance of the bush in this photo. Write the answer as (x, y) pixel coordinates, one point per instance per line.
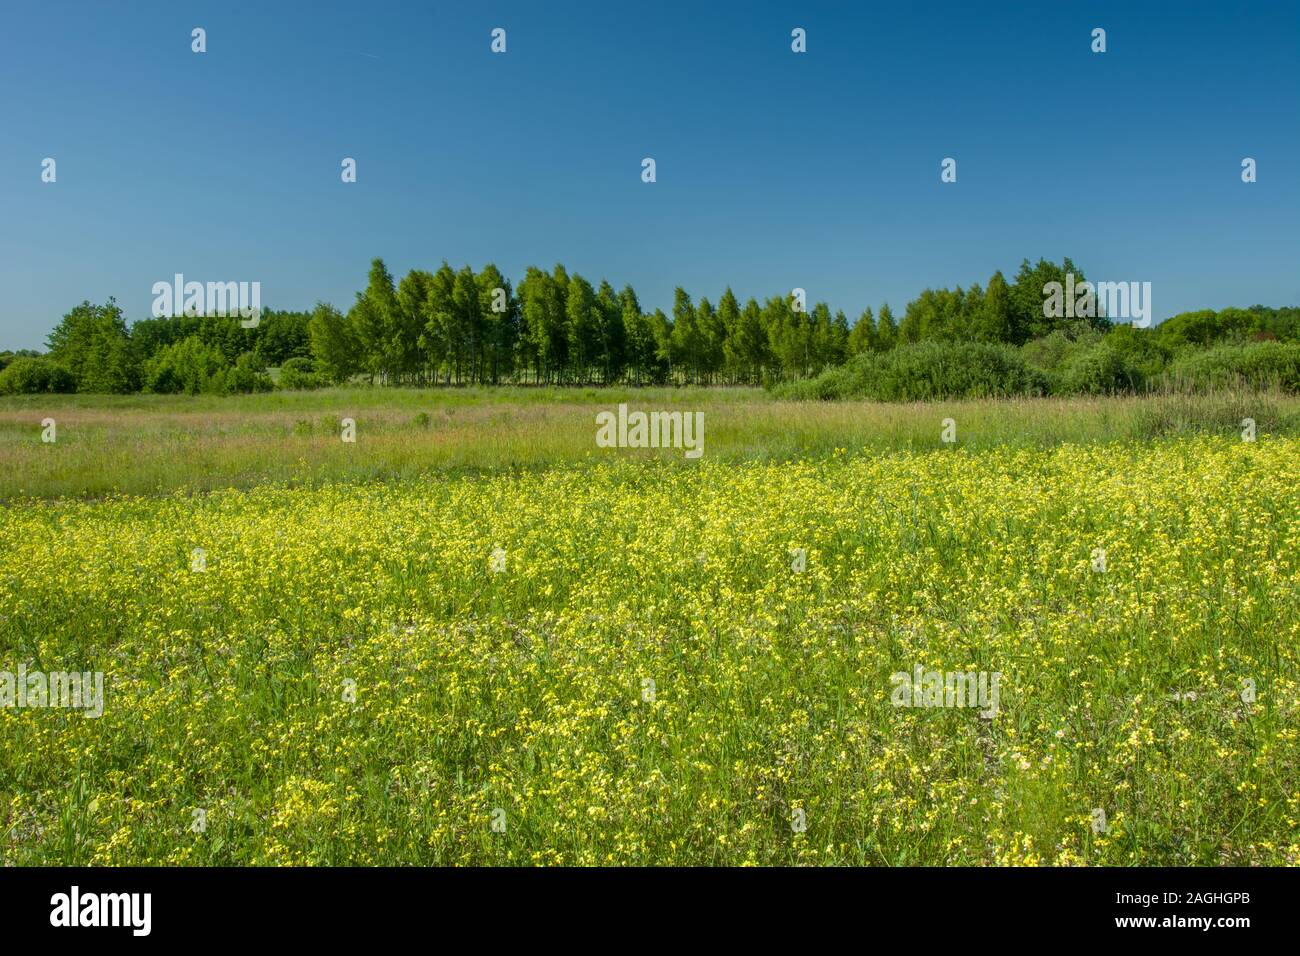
(299, 373)
(6, 357)
(1254, 365)
(248, 375)
(35, 376)
(1142, 349)
(187, 366)
(1052, 352)
(924, 371)
(1099, 369)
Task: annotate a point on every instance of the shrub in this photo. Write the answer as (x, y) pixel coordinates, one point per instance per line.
(1143, 349)
(299, 373)
(6, 357)
(248, 375)
(1253, 365)
(32, 376)
(1098, 369)
(188, 366)
(1052, 352)
(924, 371)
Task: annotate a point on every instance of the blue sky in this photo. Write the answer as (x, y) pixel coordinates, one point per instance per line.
(775, 170)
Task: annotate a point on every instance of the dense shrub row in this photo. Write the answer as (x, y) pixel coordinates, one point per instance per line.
(1122, 361)
(926, 370)
(31, 376)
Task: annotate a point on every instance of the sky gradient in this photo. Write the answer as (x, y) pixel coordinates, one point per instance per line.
(775, 169)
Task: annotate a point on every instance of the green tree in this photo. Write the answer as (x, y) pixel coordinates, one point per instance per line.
(662, 327)
(886, 329)
(728, 321)
(468, 325)
(409, 323)
(278, 337)
(35, 375)
(500, 313)
(992, 322)
(92, 343)
(545, 322)
(788, 332)
(333, 344)
(822, 342)
(612, 333)
(374, 322)
(863, 337)
(685, 343)
(713, 339)
(1027, 300)
(838, 351)
(642, 348)
(751, 346)
(583, 328)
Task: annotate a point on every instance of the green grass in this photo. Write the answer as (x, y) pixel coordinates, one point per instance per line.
(349, 682)
(153, 444)
(1160, 688)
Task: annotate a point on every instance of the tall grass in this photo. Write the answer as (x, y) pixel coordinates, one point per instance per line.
(156, 444)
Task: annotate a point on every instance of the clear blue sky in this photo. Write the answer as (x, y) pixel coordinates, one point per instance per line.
(775, 170)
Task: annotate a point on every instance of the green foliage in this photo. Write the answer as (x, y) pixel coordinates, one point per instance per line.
(459, 327)
(1142, 349)
(1097, 369)
(886, 329)
(92, 343)
(1053, 351)
(248, 374)
(190, 366)
(1086, 361)
(299, 374)
(1255, 365)
(281, 336)
(863, 336)
(925, 371)
(751, 350)
(1026, 299)
(374, 319)
(685, 343)
(334, 345)
(7, 357)
(1207, 327)
(26, 375)
(499, 310)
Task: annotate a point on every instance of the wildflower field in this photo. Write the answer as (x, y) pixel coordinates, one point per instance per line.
(650, 661)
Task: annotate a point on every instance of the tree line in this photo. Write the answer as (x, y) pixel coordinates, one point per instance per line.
(459, 327)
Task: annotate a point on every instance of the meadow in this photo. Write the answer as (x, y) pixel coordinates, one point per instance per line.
(157, 444)
(472, 637)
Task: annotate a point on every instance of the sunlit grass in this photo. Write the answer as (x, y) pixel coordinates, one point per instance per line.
(151, 444)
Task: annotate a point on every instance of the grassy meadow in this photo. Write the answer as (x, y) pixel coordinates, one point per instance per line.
(473, 637)
(158, 444)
